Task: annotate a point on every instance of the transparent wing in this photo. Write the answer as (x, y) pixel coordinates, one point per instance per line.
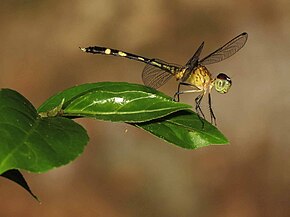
(192, 62)
(155, 77)
(226, 51)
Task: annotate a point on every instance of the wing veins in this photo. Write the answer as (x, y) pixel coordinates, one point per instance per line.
(226, 50)
(154, 76)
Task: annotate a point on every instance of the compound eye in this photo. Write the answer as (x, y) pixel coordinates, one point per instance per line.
(222, 83)
(224, 77)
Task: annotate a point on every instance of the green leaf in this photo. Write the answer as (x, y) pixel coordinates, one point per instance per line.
(32, 143)
(139, 105)
(114, 101)
(17, 177)
(184, 129)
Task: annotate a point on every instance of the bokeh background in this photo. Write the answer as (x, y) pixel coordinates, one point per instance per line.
(125, 171)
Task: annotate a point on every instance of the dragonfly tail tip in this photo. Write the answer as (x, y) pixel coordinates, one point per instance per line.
(83, 49)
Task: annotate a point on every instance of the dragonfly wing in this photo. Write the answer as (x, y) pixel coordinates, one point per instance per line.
(155, 77)
(192, 62)
(226, 51)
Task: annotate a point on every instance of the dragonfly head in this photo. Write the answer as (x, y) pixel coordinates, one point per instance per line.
(222, 83)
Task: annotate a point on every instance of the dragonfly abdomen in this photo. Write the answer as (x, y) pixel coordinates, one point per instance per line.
(114, 52)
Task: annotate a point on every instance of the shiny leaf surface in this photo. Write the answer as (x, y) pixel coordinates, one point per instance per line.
(114, 101)
(184, 129)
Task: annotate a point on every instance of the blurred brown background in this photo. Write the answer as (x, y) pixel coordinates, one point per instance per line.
(132, 173)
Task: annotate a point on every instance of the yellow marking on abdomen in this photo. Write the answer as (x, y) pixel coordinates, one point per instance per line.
(122, 54)
(179, 75)
(156, 64)
(166, 67)
(108, 51)
(140, 58)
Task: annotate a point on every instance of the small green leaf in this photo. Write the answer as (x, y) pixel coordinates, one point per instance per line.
(17, 177)
(114, 101)
(32, 143)
(184, 129)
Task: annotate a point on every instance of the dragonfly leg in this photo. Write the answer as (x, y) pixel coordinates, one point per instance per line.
(212, 116)
(198, 110)
(176, 95)
(198, 100)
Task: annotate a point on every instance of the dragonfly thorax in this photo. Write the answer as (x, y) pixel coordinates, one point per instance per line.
(200, 78)
(222, 83)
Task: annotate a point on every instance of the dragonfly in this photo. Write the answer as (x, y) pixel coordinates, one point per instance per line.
(193, 74)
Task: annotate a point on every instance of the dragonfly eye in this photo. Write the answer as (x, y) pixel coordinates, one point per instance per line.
(222, 83)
